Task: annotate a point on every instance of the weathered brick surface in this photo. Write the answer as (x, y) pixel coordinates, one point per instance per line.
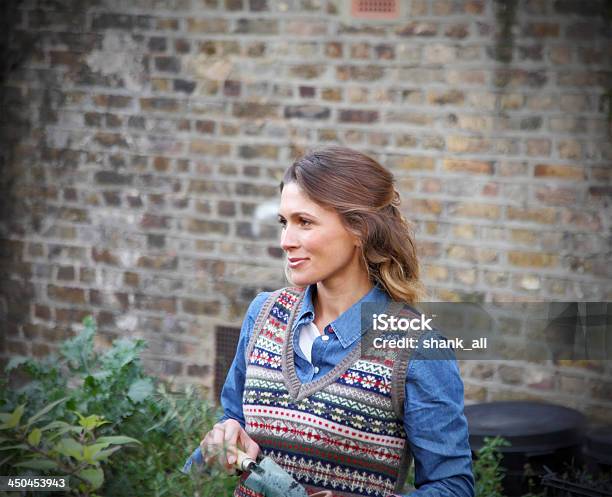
(139, 142)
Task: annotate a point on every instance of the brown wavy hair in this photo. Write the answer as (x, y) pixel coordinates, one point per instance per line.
(363, 193)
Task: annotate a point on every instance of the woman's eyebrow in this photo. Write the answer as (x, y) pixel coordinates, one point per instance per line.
(296, 214)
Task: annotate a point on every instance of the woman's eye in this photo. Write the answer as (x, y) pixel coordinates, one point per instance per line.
(282, 222)
(305, 222)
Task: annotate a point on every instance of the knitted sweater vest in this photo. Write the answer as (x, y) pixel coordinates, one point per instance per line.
(343, 432)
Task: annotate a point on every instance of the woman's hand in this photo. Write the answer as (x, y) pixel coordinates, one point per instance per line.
(221, 442)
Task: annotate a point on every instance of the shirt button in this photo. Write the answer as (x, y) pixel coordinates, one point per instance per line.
(316, 370)
(325, 338)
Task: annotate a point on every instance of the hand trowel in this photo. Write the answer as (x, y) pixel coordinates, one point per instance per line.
(268, 478)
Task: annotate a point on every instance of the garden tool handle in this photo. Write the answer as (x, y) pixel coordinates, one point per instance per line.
(243, 461)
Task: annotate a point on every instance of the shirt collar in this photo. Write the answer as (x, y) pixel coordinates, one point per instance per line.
(347, 326)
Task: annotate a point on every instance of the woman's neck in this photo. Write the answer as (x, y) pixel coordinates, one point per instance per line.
(331, 300)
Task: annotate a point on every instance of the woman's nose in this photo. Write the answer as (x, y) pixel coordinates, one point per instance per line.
(288, 238)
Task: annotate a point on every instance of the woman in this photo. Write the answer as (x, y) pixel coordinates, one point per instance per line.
(300, 390)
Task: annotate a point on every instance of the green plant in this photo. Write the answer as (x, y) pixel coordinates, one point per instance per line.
(70, 450)
(113, 386)
(488, 472)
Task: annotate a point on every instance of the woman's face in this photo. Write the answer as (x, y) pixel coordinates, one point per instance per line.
(317, 244)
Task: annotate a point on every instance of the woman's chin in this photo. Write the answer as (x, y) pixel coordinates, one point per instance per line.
(301, 280)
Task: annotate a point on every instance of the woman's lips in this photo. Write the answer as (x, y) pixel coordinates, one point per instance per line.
(295, 262)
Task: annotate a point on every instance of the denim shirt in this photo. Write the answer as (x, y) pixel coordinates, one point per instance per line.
(435, 425)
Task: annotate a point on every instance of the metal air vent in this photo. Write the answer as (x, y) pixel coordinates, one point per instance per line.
(226, 340)
(377, 10)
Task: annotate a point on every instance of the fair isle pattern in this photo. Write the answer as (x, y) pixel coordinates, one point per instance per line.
(344, 436)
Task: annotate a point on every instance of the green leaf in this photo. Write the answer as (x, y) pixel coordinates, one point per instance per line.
(90, 423)
(117, 440)
(103, 455)
(89, 451)
(140, 389)
(55, 424)
(14, 418)
(37, 464)
(18, 446)
(15, 362)
(34, 437)
(70, 447)
(95, 477)
(44, 411)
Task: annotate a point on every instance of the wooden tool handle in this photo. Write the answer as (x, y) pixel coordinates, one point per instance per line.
(243, 461)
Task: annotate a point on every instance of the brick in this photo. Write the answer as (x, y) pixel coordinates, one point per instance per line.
(532, 259)
(131, 278)
(466, 277)
(465, 231)
(67, 294)
(258, 151)
(467, 144)
(360, 73)
(457, 31)
(416, 28)
(468, 166)
(569, 173)
(306, 28)
(258, 5)
(437, 273)
(413, 118)
(512, 101)
(307, 71)
(160, 104)
(543, 215)
(255, 110)
(201, 307)
(538, 147)
(556, 196)
(472, 254)
(384, 52)
(424, 206)
(205, 226)
(65, 273)
(207, 26)
(113, 178)
(157, 44)
(411, 162)
(198, 371)
(541, 30)
(120, 21)
(205, 147)
(569, 149)
(155, 303)
(165, 262)
(454, 97)
(357, 116)
(439, 54)
(182, 85)
(256, 26)
(307, 112)
(474, 209)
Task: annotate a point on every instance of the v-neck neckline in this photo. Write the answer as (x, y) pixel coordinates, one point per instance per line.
(298, 390)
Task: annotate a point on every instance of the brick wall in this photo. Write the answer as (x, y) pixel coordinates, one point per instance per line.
(140, 137)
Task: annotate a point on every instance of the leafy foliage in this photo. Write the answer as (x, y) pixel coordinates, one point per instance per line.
(157, 428)
(488, 472)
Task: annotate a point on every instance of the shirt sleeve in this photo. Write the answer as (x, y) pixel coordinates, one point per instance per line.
(436, 426)
(231, 394)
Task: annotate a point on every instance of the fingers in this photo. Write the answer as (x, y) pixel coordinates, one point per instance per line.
(221, 443)
(248, 444)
